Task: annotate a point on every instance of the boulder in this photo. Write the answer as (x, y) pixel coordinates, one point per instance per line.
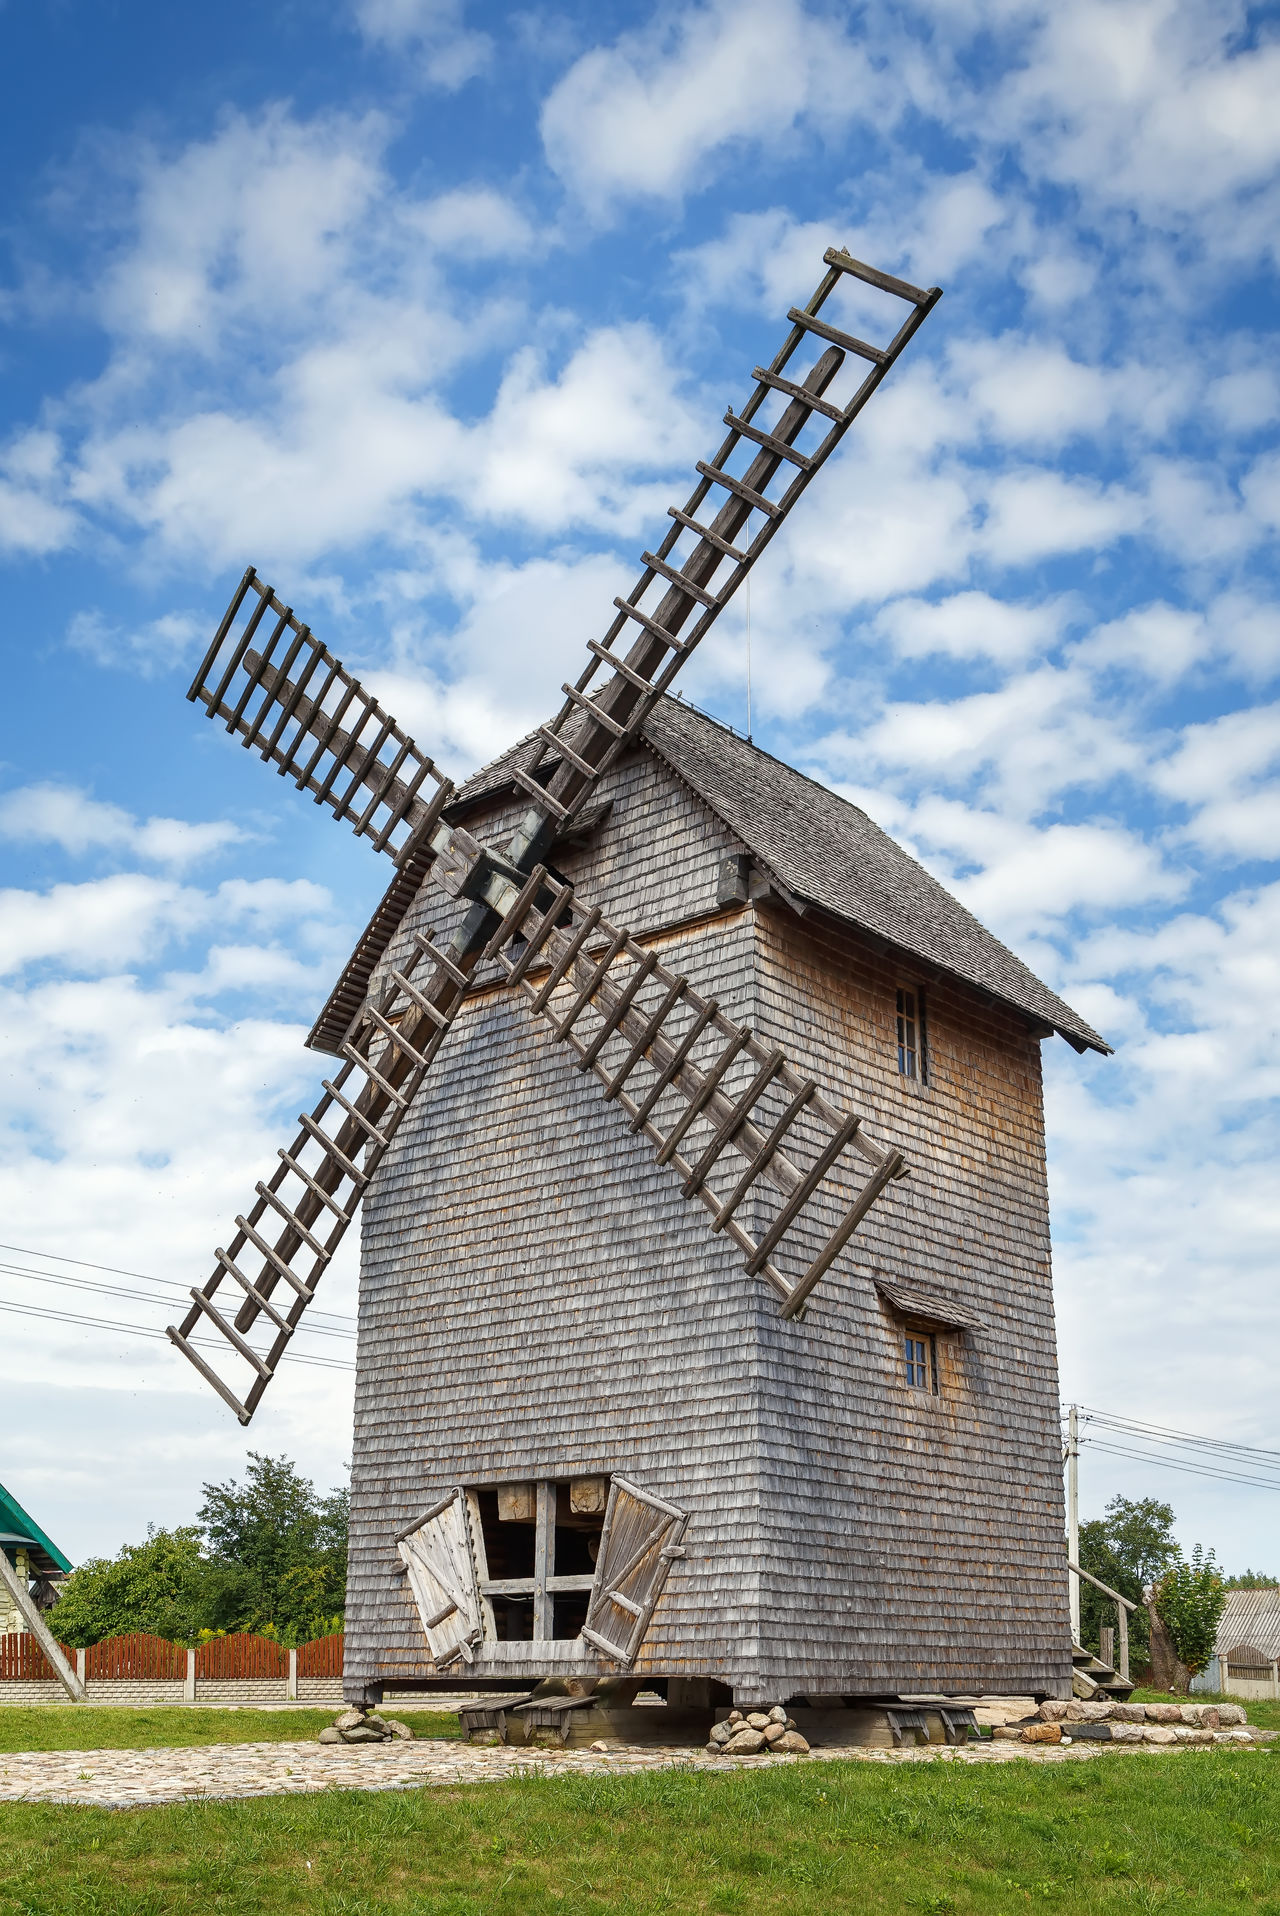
(758, 1720)
(1128, 1712)
(362, 1734)
(1189, 1733)
(330, 1735)
(1010, 1733)
(1163, 1712)
(1229, 1714)
(778, 1715)
(1126, 1732)
(1042, 1733)
(1089, 1732)
(1203, 1716)
(1100, 1710)
(721, 1732)
(772, 1731)
(1159, 1733)
(349, 1720)
(399, 1729)
(746, 1742)
(791, 1743)
(1053, 1710)
(736, 1716)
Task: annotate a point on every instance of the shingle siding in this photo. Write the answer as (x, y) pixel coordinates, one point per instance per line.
(538, 1300)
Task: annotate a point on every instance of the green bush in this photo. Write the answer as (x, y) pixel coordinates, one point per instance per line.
(1189, 1600)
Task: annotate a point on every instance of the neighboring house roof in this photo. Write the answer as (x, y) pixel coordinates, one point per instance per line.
(1252, 1618)
(821, 850)
(16, 1527)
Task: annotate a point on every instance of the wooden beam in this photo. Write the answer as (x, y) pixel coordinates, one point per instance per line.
(40, 1630)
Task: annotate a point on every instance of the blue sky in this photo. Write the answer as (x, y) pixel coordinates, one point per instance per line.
(427, 311)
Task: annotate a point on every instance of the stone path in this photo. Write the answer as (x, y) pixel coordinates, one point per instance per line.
(131, 1779)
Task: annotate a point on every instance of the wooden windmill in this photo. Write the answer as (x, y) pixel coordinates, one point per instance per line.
(514, 1231)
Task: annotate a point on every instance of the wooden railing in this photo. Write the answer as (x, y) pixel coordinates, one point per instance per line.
(1123, 1609)
(145, 1658)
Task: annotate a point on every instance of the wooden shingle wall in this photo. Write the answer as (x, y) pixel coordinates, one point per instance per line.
(538, 1300)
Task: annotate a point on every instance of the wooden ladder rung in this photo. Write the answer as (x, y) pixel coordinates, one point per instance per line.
(274, 1258)
(403, 803)
(762, 1156)
(651, 626)
(388, 1030)
(769, 442)
(756, 500)
(540, 793)
(566, 958)
(280, 676)
(872, 276)
(619, 666)
(802, 393)
(593, 711)
(330, 1149)
(369, 768)
(626, 997)
(209, 1374)
(325, 1197)
(371, 1071)
(441, 1019)
(253, 678)
(392, 773)
(835, 337)
(441, 959)
(561, 1030)
(734, 1120)
(870, 1191)
(546, 925)
(230, 1332)
(356, 1115)
(703, 1095)
(251, 1290)
(705, 532)
(566, 751)
(676, 1063)
(698, 592)
(294, 1222)
(651, 1029)
(801, 1195)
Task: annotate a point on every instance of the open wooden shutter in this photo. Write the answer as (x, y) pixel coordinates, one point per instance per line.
(639, 1543)
(436, 1551)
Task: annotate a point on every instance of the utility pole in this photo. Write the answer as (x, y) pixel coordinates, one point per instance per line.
(1073, 1516)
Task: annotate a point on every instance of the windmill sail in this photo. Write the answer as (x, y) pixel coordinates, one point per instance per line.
(702, 1089)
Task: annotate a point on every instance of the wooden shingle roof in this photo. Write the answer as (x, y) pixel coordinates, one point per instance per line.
(822, 852)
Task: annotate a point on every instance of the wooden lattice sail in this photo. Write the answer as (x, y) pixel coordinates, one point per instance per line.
(732, 1119)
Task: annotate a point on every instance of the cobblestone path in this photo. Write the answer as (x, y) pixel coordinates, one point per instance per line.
(132, 1779)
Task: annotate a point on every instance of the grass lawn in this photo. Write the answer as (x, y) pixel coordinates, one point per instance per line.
(73, 1726)
(1198, 1831)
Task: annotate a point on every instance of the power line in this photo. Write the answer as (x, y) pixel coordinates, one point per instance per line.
(113, 1270)
(142, 1330)
(1175, 1463)
(1163, 1433)
(175, 1300)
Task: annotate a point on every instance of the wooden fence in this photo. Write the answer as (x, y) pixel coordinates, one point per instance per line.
(154, 1658)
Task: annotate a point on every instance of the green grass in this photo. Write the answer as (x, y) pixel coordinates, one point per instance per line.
(51, 1726)
(1198, 1831)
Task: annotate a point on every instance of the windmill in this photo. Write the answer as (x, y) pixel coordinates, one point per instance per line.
(727, 1113)
(595, 1341)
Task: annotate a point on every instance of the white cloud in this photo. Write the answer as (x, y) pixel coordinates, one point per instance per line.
(972, 625)
(61, 815)
(1034, 513)
(644, 118)
(449, 53)
(474, 222)
(147, 649)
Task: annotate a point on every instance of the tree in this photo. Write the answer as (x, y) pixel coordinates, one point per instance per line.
(1250, 1580)
(159, 1588)
(1126, 1547)
(1189, 1599)
(278, 1551)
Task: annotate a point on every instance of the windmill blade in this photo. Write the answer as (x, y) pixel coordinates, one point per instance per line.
(274, 684)
(713, 1099)
(686, 1099)
(317, 1187)
(593, 727)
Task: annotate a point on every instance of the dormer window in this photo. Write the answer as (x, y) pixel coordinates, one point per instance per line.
(912, 1062)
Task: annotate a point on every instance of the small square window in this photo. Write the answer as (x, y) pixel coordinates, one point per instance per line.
(921, 1353)
(912, 1062)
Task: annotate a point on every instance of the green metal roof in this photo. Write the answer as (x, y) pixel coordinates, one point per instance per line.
(17, 1528)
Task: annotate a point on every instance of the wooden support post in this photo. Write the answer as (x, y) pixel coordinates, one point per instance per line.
(1073, 1519)
(40, 1630)
(1107, 1644)
(544, 1544)
(1122, 1623)
(291, 1685)
(189, 1687)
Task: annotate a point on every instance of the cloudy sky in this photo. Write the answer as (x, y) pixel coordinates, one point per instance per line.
(427, 311)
